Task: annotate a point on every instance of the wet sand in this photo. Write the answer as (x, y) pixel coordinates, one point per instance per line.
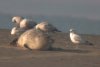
(63, 54)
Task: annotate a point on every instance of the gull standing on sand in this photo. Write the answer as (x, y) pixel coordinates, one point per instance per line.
(77, 39)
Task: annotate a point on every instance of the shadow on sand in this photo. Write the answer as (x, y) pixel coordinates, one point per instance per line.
(70, 50)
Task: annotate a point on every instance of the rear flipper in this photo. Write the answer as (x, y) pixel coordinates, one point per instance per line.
(14, 42)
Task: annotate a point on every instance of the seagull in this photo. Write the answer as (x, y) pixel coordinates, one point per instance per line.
(77, 39)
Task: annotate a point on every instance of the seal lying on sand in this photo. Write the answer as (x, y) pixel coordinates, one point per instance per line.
(35, 39)
(46, 27)
(21, 25)
(17, 19)
(24, 23)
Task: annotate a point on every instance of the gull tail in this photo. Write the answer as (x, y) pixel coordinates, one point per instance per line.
(57, 30)
(88, 43)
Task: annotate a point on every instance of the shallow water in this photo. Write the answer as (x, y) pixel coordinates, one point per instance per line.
(63, 23)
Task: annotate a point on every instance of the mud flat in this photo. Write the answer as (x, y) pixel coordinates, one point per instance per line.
(62, 55)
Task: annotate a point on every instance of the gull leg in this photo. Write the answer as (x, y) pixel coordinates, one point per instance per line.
(76, 46)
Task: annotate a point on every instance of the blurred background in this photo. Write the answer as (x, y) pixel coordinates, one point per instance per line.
(83, 15)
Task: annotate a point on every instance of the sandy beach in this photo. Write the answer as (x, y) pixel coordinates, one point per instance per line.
(63, 54)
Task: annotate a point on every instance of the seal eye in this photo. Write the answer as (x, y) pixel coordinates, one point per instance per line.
(14, 21)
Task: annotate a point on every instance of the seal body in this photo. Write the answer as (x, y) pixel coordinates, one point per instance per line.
(34, 40)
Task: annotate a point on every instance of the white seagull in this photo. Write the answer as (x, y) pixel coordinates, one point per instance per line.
(77, 39)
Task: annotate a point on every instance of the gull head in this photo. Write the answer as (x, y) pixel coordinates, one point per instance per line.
(72, 30)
